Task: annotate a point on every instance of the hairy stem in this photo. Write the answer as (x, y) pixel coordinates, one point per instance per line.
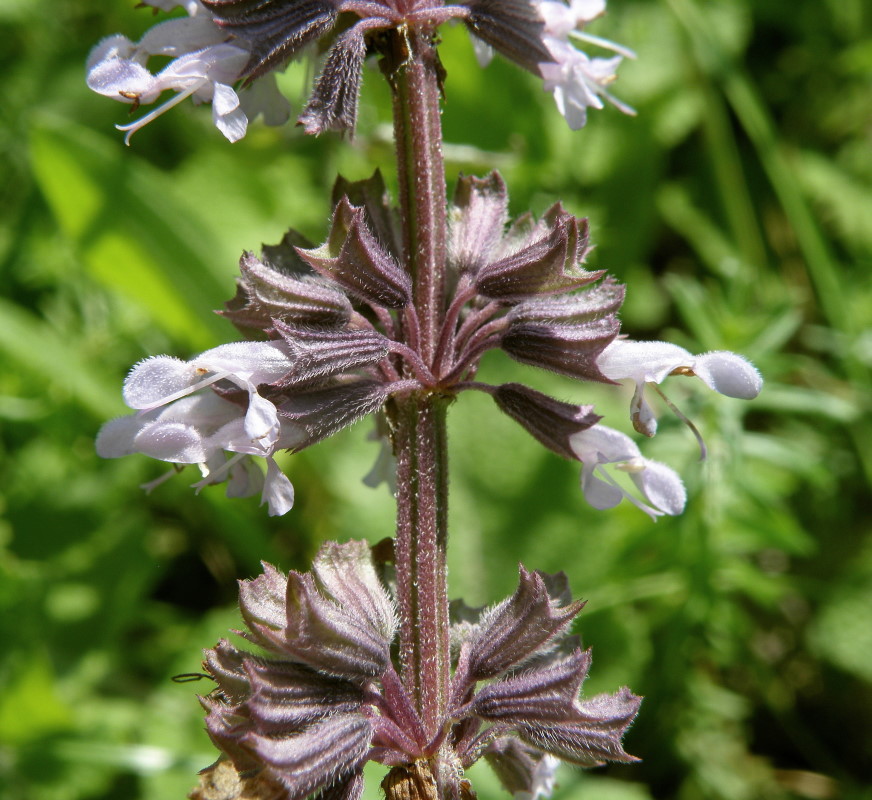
(422, 490)
(414, 72)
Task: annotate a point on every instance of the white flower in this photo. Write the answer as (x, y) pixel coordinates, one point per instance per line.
(204, 67)
(562, 20)
(193, 7)
(198, 430)
(651, 362)
(659, 485)
(180, 423)
(117, 70)
(577, 81)
(160, 380)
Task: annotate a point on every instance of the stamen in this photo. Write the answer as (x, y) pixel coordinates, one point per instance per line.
(133, 127)
(622, 107)
(703, 451)
(214, 377)
(605, 475)
(216, 476)
(634, 465)
(604, 43)
(151, 485)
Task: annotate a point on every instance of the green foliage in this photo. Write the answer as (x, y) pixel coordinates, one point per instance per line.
(736, 207)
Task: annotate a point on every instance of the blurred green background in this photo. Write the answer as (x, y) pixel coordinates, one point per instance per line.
(737, 207)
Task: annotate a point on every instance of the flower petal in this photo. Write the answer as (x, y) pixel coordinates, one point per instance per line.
(645, 362)
(124, 80)
(178, 37)
(172, 441)
(261, 420)
(600, 494)
(599, 446)
(227, 115)
(159, 380)
(278, 491)
(728, 373)
(661, 486)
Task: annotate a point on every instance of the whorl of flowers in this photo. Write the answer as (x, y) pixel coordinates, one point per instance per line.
(222, 44)
(324, 696)
(341, 334)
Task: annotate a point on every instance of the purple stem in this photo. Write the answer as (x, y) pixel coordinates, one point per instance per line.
(421, 175)
(422, 492)
(418, 421)
(474, 320)
(421, 370)
(462, 295)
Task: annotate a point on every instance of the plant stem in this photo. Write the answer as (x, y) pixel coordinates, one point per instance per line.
(414, 73)
(422, 591)
(420, 445)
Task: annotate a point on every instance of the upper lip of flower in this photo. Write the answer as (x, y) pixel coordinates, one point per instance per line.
(652, 362)
(160, 380)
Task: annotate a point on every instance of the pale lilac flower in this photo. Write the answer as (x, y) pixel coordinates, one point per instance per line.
(182, 421)
(660, 486)
(205, 75)
(562, 20)
(204, 68)
(199, 429)
(576, 80)
(193, 7)
(652, 362)
(160, 380)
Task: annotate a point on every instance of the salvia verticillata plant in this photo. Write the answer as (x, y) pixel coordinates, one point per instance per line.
(363, 659)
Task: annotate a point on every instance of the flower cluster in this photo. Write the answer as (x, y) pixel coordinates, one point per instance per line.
(204, 66)
(182, 421)
(576, 80)
(327, 697)
(342, 333)
(224, 42)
